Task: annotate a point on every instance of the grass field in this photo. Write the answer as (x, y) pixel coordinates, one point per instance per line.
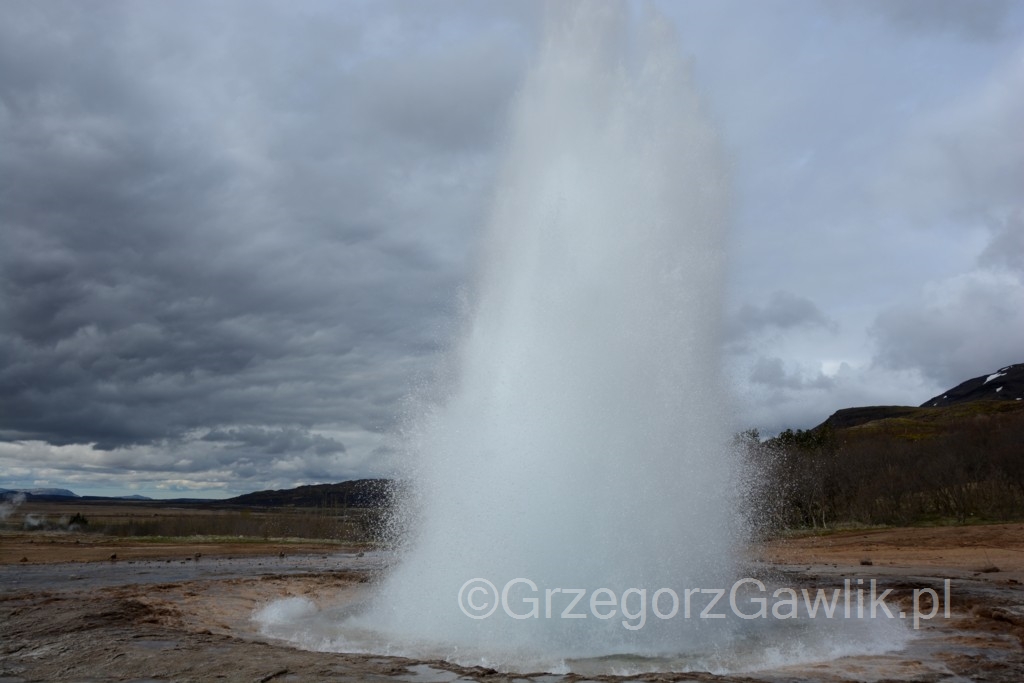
(154, 520)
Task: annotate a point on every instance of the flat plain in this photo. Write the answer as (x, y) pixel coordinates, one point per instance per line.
(80, 605)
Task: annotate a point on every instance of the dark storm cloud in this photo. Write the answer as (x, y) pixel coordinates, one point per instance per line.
(212, 221)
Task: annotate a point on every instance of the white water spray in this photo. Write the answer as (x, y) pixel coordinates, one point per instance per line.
(582, 442)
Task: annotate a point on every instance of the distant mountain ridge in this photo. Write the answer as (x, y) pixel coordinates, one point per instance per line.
(58, 495)
(357, 493)
(63, 493)
(1000, 392)
(1005, 384)
(997, 393)
(956, 459)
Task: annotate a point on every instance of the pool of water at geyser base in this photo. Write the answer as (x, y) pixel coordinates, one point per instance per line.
(729, 646)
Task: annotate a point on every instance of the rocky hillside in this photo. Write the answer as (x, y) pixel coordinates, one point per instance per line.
(957, 458)
(1001, 391)
(1005, 384)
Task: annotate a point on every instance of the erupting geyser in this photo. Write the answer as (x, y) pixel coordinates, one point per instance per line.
(581, 444)
(581, 441)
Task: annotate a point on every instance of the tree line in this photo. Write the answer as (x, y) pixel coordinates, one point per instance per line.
(893, 472)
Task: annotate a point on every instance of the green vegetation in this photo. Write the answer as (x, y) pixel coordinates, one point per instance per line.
(358, 493)
(343, 525)
(959, 463)
(152, 521)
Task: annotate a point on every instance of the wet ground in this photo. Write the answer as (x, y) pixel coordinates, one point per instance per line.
(74, 576)
(184, 618)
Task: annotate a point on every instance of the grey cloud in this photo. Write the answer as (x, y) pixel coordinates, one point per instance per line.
(771, 372)
(1006, 249)
(982, 20)
(277, 459)
(276, 441)
(799, 399)
(201, 235)
(462, 105)
(962, 166)
(964, 325)
(783, 311)
(964, 160)
(958, 330)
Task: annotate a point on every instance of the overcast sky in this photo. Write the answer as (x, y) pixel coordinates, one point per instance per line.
(234, 235)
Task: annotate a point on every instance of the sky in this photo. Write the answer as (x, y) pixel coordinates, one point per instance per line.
(234, 236)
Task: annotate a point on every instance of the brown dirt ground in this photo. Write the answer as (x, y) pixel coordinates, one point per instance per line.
(55, 546)
(968, 548)
(199, 630)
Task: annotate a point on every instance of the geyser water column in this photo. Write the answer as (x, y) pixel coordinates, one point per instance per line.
(581, 442)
